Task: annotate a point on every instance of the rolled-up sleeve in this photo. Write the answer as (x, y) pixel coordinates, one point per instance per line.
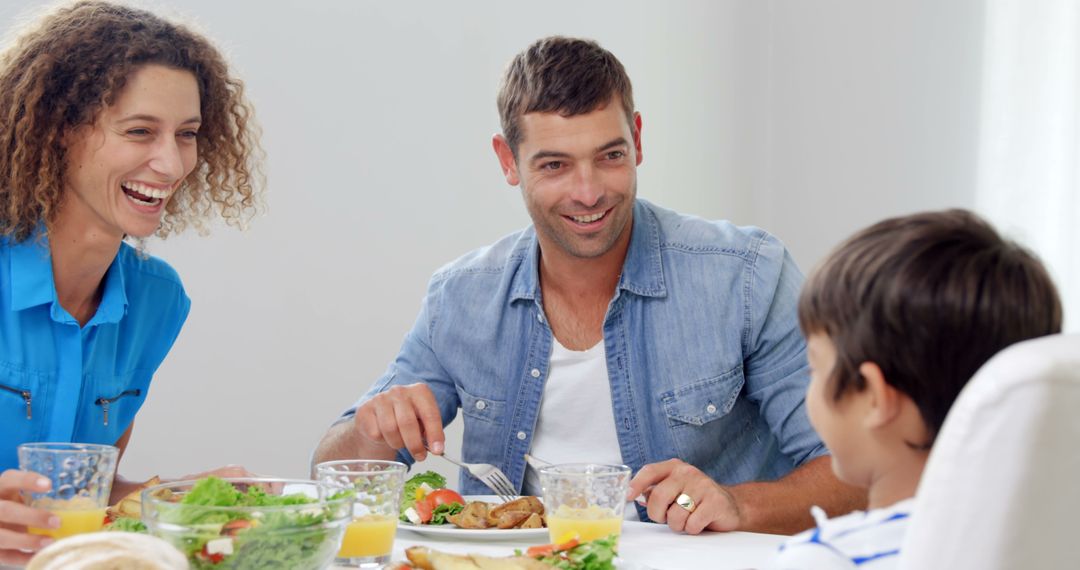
(777, 373)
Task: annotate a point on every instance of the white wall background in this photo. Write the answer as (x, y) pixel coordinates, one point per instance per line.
(810, 119)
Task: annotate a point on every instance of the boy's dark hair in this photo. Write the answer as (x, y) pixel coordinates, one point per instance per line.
(561, 75)
(929, 298)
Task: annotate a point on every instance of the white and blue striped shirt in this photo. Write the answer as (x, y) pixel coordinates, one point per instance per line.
(857, 541)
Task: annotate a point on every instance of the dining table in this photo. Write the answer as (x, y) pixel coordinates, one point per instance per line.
(642, 546)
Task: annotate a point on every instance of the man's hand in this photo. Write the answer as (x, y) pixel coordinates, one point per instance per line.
(403, 417)
(714, 507)
(16, 516)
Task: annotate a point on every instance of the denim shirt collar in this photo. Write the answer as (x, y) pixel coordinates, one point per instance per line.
(643, 269)
(33, 285)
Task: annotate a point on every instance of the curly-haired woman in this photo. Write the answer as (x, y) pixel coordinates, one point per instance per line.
(114, 123)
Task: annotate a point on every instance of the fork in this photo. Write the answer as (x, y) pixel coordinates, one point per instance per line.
(492, 477)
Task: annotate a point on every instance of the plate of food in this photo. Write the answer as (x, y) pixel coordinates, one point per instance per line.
(428, 508)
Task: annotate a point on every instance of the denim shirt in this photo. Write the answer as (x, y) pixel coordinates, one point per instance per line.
(63, 382)
(704, 355)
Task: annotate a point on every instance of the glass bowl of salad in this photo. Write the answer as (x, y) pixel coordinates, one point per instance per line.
(250, 523)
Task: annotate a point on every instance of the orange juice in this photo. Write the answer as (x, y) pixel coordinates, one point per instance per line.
(585, 524)
(74, 522)
(369, 535)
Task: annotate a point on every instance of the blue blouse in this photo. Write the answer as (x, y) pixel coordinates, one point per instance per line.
(63, 382)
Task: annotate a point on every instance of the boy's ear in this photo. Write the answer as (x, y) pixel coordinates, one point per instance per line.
(884, 403)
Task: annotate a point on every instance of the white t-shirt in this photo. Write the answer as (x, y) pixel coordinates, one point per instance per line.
(576, 423)
(861, 540)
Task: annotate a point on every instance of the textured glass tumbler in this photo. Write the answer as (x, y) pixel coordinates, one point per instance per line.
(369, 538)
(584, 501)
(82, 477)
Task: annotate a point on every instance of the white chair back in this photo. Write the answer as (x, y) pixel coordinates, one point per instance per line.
(1001, 489)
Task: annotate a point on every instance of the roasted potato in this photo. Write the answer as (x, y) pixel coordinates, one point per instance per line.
(533, 521)
(513, 514)
(474, 515)
(511, 519)
(525, 504)
(131, 505)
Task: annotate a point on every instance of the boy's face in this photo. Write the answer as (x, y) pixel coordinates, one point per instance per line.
(838, 422)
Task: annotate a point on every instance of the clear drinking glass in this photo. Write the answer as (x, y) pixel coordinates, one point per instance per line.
(584, 500)
(369, 538)
(82, 477)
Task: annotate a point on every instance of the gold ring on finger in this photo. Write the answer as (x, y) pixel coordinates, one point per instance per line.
(684, 501)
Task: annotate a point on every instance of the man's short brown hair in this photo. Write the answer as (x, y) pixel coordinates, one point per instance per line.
(561, 75)
(928, 298)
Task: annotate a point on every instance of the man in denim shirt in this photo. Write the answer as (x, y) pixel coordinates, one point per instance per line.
(669, 343)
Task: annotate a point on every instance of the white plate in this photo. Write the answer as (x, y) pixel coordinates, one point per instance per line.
(451, 531)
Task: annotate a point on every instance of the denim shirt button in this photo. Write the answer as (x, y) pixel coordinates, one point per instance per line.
(711, 408)
(521, 435)
(480, 404)
(535, 373)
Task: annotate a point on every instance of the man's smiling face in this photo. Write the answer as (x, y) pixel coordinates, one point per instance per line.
(578, 176)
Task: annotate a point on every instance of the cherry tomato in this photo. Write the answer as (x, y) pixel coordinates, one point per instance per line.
(212, 558)
(540, 550)
(234, 526)
(423, 510)
(549, 549)
(443, 496)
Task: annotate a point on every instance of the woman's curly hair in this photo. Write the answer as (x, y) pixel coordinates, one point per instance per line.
(72, 64)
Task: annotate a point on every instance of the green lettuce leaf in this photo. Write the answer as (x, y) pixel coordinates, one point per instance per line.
(597, 554)
(408, 492)
(438, 516)
(127, 524)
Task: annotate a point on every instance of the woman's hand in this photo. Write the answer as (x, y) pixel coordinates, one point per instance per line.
(123, 487)
(221, 472)
(16, 546)
(238, 471)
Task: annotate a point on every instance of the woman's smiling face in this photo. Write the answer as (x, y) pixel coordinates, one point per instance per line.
(122, 170)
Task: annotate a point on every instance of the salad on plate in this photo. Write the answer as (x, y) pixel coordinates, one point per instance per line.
(426, 500)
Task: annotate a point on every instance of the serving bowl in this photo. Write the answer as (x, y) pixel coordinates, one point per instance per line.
(249, 523)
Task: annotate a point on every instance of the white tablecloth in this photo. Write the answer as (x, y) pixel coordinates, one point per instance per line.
(645, 544)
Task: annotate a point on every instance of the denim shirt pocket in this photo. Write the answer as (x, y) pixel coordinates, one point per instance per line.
(704, 401)
(700, 414)
(484, 424)
(482, 409)
(22, 403)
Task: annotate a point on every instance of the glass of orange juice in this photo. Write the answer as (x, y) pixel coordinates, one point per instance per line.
(82, 477)
(584, 500)
(369, 538)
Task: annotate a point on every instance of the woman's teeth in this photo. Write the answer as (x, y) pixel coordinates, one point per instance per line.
(144, 195)
(150, 202)
(588, 219)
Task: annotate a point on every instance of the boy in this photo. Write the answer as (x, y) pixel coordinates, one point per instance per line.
(897, 320)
